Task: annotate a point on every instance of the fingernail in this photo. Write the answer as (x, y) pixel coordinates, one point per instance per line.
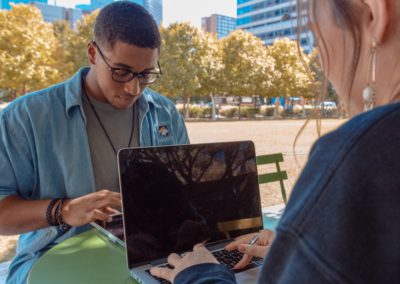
(241, 248)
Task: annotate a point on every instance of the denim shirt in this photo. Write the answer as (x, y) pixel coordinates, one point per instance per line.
(44, 154)
(341, 222)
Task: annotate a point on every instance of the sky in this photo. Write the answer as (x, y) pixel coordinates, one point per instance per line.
(179, 10)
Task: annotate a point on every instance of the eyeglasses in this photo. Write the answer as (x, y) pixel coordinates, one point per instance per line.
(123, 75)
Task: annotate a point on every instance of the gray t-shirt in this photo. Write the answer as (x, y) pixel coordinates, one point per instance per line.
(118, 125)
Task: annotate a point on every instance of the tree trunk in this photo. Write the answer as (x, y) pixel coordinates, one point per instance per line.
(186, 106)
(277, 104)
(213, 112)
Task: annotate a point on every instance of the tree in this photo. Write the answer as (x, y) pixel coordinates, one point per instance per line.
(180, 57)
(247, 66)
(293, 78)
(27, 47)
(74, 42)
(210, 69)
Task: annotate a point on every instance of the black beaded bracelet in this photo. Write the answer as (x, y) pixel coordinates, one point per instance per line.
(59, 217)
(49, 216)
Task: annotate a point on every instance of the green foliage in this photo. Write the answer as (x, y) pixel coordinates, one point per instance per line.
(180, 57)
(247, 66)
(229, 112)
(291, 79)
(249, 112)
(73, 43)
(35, 54)
(27, 50)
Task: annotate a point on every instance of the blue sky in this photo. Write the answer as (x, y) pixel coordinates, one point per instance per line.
(180, 10)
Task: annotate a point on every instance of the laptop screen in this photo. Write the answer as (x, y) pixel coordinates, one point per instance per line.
(177, 196)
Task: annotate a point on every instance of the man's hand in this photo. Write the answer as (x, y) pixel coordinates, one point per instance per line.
(94, 206)
(260, 248)
(199, 255)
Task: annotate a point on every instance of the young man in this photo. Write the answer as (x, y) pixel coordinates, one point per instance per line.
(58, 146)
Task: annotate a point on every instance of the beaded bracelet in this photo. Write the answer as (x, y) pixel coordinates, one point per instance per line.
(58, 216)
(49, 216)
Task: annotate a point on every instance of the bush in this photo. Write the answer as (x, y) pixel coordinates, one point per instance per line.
(206, 112)
(195, 112)
(229, 111)
(249, 112)
(268, 110)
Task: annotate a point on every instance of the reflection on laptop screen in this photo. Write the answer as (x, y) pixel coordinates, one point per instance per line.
(177, 196)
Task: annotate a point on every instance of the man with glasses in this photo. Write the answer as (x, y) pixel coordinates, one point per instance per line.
(58, 146)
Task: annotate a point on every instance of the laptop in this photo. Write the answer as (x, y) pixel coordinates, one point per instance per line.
(174, 197)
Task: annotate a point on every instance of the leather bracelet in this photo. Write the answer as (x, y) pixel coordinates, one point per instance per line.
(59, 217)
(49, 216)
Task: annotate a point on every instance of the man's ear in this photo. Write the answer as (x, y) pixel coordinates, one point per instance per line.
(378, 18)
(91, 52)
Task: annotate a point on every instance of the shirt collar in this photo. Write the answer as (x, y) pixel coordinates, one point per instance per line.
(73, 94)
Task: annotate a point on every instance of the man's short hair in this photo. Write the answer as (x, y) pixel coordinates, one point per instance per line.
(126, 22)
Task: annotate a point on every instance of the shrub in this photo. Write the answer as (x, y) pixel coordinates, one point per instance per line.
(229, 111)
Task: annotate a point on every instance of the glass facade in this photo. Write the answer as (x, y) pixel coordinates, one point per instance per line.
(271, 19)
(5, 4)
(155, 8)
(218, 24)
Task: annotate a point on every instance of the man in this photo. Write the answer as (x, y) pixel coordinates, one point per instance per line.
(58, 146)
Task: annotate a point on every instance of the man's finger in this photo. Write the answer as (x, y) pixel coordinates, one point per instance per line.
(99, 215)
(161, 272)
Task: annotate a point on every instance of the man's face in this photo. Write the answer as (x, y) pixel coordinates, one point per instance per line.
(115, 63)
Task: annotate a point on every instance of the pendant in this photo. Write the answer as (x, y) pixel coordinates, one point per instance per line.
(368, 94)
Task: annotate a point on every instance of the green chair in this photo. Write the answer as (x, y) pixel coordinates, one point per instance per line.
(279, 175)
(271, 215)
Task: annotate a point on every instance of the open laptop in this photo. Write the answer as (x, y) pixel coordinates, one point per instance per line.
(174, 197)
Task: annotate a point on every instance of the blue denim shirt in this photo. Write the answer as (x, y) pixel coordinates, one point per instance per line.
(44, 154)
(341, 222)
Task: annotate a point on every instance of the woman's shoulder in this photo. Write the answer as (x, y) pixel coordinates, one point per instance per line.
(372, 125)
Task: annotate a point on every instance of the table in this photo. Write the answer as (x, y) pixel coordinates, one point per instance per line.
(85, 258)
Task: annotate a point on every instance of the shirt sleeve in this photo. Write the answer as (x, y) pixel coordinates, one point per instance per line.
(205, 273)
(15, 160)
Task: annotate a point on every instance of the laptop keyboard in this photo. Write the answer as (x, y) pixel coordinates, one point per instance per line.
(226, 258)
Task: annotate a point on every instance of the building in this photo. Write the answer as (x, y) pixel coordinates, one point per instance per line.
(53, 13)
(153, 6)
(271, 19)
(5, 4)
(218, 24)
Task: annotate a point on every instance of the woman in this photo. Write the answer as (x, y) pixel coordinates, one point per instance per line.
(340, 225)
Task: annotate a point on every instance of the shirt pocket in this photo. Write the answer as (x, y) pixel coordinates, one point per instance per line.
(164, 134)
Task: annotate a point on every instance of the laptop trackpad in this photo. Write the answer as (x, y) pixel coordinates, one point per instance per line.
(248, 276)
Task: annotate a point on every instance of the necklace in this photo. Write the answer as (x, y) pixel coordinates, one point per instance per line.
(101, 123)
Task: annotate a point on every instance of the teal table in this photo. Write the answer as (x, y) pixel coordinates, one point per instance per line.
(85, 258)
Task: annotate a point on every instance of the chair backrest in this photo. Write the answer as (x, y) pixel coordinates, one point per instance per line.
(229, 226)
(279, 175)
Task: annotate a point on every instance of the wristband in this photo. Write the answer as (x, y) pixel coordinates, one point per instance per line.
(49, 216)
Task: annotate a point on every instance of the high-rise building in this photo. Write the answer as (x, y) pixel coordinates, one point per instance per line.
(153, 6)
(218, 24)
(5, 4)
(53, 13)
(98, 4)
(271, 19)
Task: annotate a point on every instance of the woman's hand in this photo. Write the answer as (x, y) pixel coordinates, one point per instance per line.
(199, 255)
(260, 248)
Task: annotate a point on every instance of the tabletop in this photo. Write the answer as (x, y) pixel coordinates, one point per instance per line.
(85, 258)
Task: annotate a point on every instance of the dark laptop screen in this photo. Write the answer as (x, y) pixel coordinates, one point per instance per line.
(177, 196)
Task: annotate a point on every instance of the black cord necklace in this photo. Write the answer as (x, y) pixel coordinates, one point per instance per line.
(102, 125)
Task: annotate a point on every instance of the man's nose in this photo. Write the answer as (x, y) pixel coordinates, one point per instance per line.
(133, 87)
